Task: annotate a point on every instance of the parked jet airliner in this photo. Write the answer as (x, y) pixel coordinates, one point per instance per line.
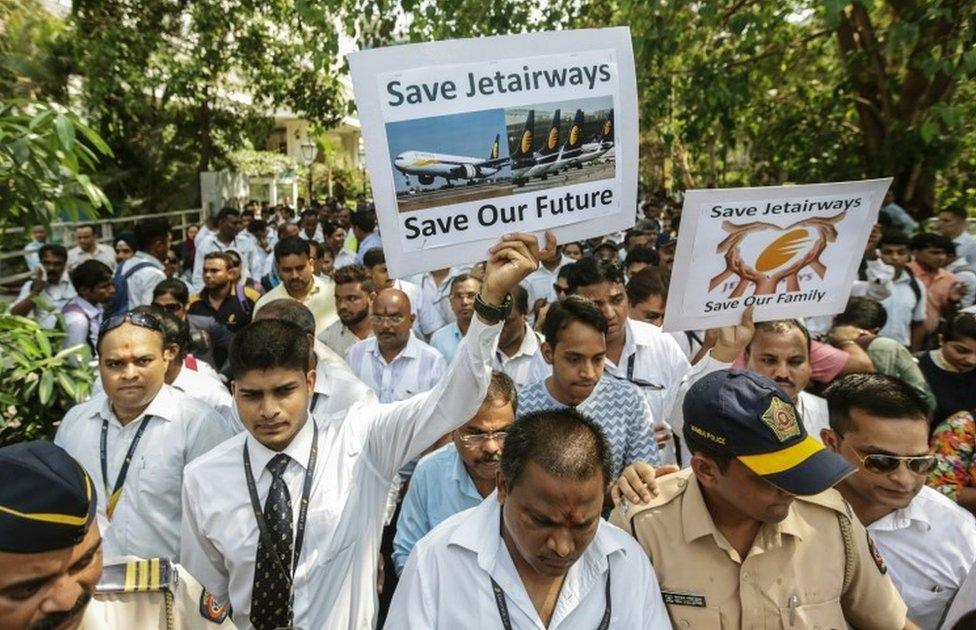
(426, 166)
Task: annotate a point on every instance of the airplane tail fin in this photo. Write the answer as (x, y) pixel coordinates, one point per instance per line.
(526, 142)
(606, 135)
(575, 139)
(552, 140)
(493, 154)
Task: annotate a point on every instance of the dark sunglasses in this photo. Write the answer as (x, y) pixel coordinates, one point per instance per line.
(172, 307)
(143, 320)
(881, 464)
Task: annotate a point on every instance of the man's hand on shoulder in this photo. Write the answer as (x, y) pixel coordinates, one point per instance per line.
(638, 483)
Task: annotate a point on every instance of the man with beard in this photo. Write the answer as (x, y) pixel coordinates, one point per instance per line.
(534, 554)
(459, 475)
(229, 303)
(296, 268)
(51, 573)
(464, 289)
(227, 237)
(879, 424)
(353, 296)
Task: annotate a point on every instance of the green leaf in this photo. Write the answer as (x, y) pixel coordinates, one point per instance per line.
(46, 388)
(929, 130)
(68, 385)
(66, 132)
(42, 342)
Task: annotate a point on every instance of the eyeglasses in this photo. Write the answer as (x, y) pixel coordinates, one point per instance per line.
(143, 320)
(881, 464)
(477, 439)
(379, 320)
(172, 307)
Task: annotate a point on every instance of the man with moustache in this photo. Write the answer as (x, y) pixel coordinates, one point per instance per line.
(464, 289)
(459, 475)
(752, 535)
(535, 553)
(880, 425)
(296, 268)
(311, 509)
(51, 571)
(354, 294)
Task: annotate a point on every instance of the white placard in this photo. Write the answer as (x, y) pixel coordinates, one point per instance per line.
(468, 140)
(792, 251)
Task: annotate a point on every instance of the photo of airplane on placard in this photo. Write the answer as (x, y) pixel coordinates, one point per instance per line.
(425, 166)
(527, 164)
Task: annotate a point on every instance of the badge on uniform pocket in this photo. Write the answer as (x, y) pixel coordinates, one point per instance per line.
(210, 609)
(683, 599)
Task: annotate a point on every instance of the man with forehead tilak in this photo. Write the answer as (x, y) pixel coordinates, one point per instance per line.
(51, 570)
(753, 535)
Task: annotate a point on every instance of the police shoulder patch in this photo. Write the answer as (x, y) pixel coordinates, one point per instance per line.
(780, 417)
(211, 609)
(876, 556)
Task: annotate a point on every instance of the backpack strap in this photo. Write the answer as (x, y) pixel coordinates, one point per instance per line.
(913, 283)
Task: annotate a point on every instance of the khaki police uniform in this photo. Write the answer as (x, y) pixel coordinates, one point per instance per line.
(150, 594)
(815, 569)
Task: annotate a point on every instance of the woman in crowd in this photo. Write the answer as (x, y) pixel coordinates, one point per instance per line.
(950, 370)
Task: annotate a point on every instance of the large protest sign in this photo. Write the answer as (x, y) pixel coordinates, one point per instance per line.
(468, 140)
(792, 251)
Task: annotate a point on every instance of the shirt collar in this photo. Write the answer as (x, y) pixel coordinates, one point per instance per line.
(149, 258)
(530, 343)
(913, 515)
(90, 309)
(299, 449)
(164, 405)
(410, 351)
(460, 476)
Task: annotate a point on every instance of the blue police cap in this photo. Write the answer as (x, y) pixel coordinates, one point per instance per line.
(749, 417)
(47, 500)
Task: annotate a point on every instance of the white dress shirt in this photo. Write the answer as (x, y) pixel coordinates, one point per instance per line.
(344, 258)
(359, 453)
(206, 388)
(57, 294)
(103, 253)
(447, 581)
(929, 548)
(142, 282)
(813, 413)
(518, 367)
(179, 429)
(416, 369)
(963, 602)
(246, 248)
(339, 338)
(966, 248)
(81, 324)
(538, 284)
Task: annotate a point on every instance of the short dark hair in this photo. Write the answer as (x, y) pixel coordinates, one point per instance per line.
(647, 283)
(631, 233)
(607, 245)
(172, 286)
(957, 211)
(224, 256)
(267, 344)
(925, 240)
(255, 226)
(962, 326)
(349, 274)
(373, 257)
(329, 227)
(83, 226)
(502, 389)
(520, 299)
(176, 332)
(562, 442)
(647, 255)
(572, 309)
(588, 271)
(149, 231)
(862, 312)
(314, 245)
(364, 220)
(53, 248)
(292, 246)
(90, 274)
(309, 212)
(233, 258)
(696, 444)
(225, 212)
(880, 395)
(894, 237)
(458, 279)
(289, 310)
(779, 327)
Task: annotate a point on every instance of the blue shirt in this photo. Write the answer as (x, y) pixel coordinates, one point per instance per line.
(441, 487)
(446, 339)
(616, 407)
(369, 242)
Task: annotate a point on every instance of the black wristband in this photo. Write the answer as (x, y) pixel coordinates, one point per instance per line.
(491, 313)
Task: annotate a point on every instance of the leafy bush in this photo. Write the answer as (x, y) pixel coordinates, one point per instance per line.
(41, 380)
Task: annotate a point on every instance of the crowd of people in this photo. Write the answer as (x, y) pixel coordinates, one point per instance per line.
(283, 435)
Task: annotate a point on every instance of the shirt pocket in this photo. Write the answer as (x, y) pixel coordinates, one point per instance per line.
(694, 618)
(823, 616)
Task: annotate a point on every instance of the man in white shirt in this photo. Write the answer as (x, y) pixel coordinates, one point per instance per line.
(88, 248)
(144, 270)
(333, 582)
(135, 439)
(353, 296)
(535, 554)
(395, 363)
(540, 283)
(952, 223)
(227, 237)
(296, 268)
(880, 425)
(518, 345)
(93, 283)
(309, 228)
(50, 287)
(426, 321)
(906, 303)
(464, 289)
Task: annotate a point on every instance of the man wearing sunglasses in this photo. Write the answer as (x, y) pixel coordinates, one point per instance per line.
(879, 424)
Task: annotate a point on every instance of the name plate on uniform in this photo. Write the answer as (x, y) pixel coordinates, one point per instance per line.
(683, 599)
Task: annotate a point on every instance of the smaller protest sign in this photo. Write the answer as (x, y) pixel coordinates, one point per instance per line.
(791, 251)
(468, 140)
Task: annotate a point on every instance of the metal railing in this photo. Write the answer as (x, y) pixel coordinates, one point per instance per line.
(63, 232)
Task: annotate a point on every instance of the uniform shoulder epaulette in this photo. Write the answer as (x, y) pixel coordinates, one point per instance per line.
(831, 499)
(138, 576)
(669, 487)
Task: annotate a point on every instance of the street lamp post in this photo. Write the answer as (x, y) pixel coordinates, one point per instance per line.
(309, 152)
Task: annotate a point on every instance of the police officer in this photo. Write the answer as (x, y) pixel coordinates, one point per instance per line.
(51, 572)
(752, 535)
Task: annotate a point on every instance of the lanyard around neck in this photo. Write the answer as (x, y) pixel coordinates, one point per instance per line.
(507, 620)
(116, 492)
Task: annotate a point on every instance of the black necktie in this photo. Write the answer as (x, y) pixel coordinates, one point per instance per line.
(271, 605)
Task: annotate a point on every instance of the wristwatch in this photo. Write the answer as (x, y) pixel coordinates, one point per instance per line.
(490, 312)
